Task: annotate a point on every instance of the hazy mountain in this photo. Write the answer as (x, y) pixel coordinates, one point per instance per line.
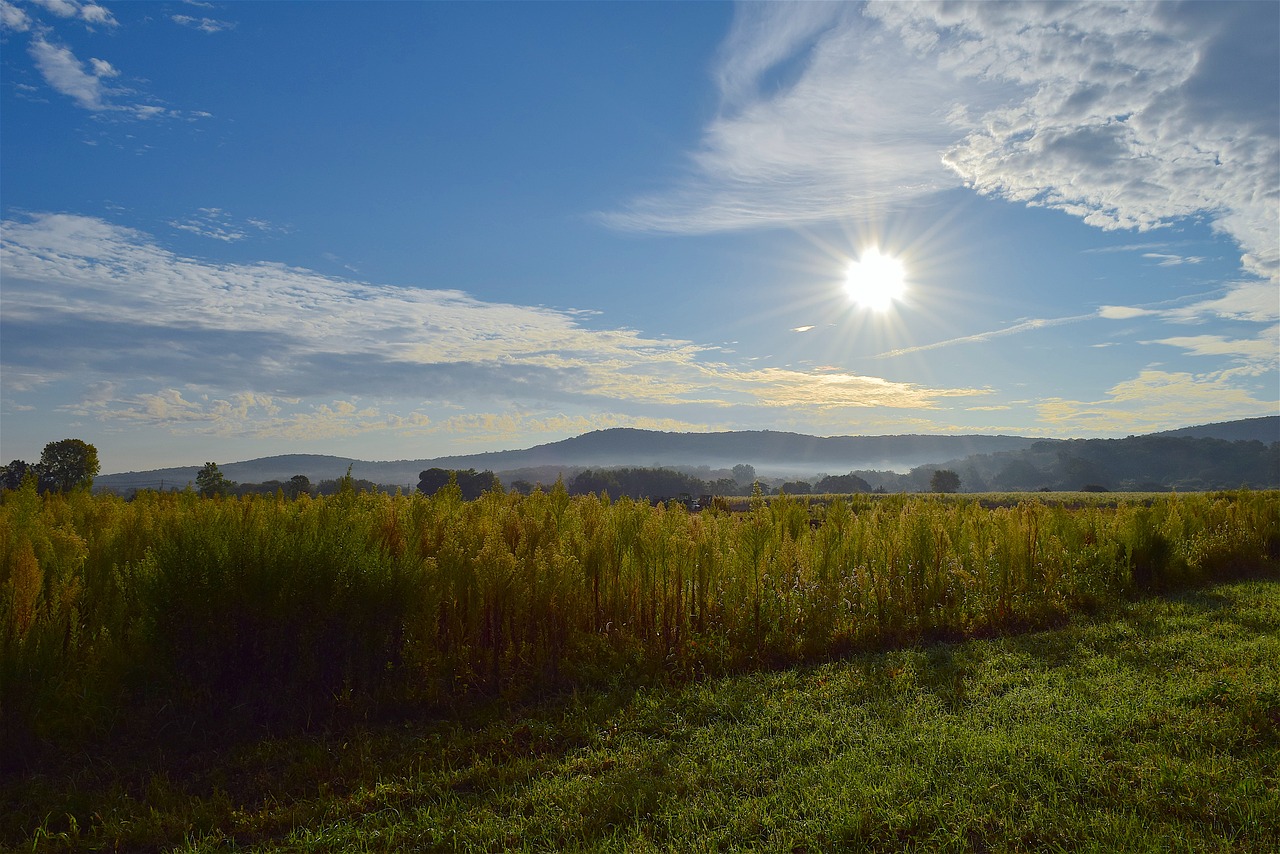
(317, 467)
(771, 453)
(1265, 429)
(767, 450)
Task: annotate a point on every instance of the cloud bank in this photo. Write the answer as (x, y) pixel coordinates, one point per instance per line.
(166, 340)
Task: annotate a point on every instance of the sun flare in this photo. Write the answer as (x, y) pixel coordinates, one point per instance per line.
(875, 281)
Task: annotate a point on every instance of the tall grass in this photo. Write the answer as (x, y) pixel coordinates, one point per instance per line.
(267, 611)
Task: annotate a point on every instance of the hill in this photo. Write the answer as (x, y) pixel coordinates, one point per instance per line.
(1265, 429)
(767, 450)
(984, 461)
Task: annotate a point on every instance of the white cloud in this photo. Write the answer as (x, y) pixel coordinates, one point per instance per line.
(13, 18)
(217, 224)
(102, 68)
(1248, 301)
(83, 82)
(1123, 312)
(68, 76)
(1258, 355)
(862, 126)
(204, 25)
(90, 13)
(105, 304)
(1166, 260)
(1131, 115)
(1127, 115)
(1154, 400)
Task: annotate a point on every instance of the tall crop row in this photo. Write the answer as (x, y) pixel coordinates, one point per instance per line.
(262, 610)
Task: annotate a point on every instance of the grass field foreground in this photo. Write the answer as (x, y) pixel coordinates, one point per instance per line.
(274, 614)
(1152, 727)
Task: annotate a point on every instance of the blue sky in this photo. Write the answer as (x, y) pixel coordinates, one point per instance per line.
(405, 230)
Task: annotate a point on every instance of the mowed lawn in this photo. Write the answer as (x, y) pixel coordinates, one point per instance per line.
(1152, 727)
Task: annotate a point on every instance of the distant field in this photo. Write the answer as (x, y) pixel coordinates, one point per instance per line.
(1154, 726)
(989, 500)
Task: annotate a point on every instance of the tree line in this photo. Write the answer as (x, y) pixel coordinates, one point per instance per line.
(662, 483)
(64, 466)
(211, 482)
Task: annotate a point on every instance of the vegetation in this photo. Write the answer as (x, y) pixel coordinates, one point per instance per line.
(269, 612)
(944, 480)
(842, 483)
(470, 483)
(1149, 727)
(64, 465)
(210, 482)
(1149, 463)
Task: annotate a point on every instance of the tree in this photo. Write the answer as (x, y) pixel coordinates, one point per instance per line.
(210, 481)
(838, 484)
(69, 464)
(744, 473)
(944, 480)
(12, 475)
(471, 483)
(299, 484)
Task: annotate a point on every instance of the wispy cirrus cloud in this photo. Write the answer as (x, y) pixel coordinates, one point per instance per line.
(218, 224)
(821, 115)
(204, 25)
(1132, 116)
(1163, 259)
(1021, 326)
(178, 340)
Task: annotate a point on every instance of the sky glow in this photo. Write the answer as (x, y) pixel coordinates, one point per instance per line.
(406, 230)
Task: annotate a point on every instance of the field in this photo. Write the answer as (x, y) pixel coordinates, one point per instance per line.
(551, 672)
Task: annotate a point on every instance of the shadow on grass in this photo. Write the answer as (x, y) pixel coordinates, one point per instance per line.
(607, 752)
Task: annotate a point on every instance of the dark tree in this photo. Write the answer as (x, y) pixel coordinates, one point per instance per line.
(12, 475)
(838, 484)
(471, 483)
(724, 486)
(944, 480)
(299, 484)
(744, 473)
(210, 481)
(69, 464)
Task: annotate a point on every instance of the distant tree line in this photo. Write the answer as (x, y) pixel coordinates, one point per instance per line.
(210, 482)
(638, 483)
(1136, 463)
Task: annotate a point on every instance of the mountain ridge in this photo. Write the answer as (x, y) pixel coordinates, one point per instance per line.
(769, 451)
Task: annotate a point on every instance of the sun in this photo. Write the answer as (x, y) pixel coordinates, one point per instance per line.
(875, 281)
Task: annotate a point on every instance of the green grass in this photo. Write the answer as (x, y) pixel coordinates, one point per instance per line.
(1151, 726)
